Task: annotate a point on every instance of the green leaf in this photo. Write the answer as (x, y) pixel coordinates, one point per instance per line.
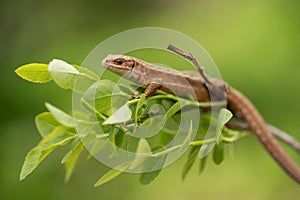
(69, 166)
(181, 147)
(205, 150)
(147, 177)
(45, 123)
(61, 116)
(143, 153)
(105, 95)
(86, 72)
(194, 150)
(123, 114)
(143, 146)
(96, 147)
(151, 126)
(215, 131)
(67, 76)
(84, 79)
(202, 164)
(71, 158)
(119, 138)
(63, 73)
(155, 163)
(139, 105)
(141, 102)
(102, 88)
(167, 103)
(58, 137)
(224, 117)
(112, 133)
(34, 72)
(112, 137)
(218, 154)
(174, 109)
(111, 174)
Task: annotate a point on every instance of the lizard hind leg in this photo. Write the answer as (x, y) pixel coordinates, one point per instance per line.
(151, 89)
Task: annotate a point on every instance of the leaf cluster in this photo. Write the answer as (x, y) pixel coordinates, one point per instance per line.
(145, 126)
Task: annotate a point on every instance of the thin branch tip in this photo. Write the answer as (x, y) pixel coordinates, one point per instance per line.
(191, 58)
(285, 137)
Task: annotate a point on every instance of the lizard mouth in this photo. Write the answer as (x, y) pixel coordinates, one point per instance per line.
(110, 62)
(108, 65)
(105, 63)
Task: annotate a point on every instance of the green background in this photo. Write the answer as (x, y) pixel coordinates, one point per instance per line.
(255, 44)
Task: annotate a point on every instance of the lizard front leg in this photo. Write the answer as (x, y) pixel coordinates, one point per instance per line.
(151, 89)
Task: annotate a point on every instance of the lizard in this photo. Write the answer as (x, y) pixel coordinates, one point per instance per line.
(180, 83)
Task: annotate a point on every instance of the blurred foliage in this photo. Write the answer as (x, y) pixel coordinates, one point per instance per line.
(254, 43)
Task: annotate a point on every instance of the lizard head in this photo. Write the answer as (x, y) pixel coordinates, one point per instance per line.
(120, 64)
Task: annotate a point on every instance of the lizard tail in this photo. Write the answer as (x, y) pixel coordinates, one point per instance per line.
(257, 125)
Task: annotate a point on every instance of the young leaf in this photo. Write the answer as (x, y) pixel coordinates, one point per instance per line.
(111, 174)
(58, 137)
(63, 73)
(76, 147)
(105, 95)
(61, 116)
(218, 154)
(143, 146)
(174, 109)
(120, 116)
(102, 88)
(32, 160)
(84, 80)
(194, 150)
(69, 166)
(71, 158)
(60, 66)
(224, 117)
(139, 105)
(142, 154)
(34, 72)
(86, 72)
(45, 123)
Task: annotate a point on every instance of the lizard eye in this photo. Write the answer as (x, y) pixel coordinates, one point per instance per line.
(119, 62)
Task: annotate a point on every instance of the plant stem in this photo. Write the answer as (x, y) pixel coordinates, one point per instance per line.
(174, 98)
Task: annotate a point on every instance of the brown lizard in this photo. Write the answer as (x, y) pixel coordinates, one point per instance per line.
(181, 83)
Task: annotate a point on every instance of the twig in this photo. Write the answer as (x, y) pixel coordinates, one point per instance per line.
(288, 139)
(237, 125)
(191, 58)
(285, 137)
